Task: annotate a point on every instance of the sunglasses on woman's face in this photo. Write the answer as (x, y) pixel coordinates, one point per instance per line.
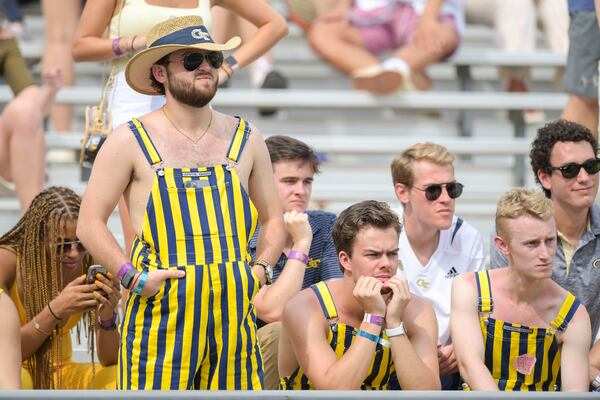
(191, 61)
(571, 170)
(66, 247)
(433, 192)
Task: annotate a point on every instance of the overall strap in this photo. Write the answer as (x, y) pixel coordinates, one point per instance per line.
(324, 295)
(566, 312)
(485, 302)
(145, 142)
(240, 137)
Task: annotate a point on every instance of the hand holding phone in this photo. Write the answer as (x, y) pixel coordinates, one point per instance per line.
(92, 271)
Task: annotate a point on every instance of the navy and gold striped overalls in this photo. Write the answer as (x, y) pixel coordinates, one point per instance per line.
(198, 332)
(340, 338)
(519, 357)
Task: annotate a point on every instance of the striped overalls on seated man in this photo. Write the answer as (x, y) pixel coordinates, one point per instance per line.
(509, 349)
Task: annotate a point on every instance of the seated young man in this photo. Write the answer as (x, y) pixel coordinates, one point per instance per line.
(435, 245)
(514, 328)
(308, 255)
(353, 332)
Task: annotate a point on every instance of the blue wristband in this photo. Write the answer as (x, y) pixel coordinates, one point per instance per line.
(141, 283)
(373, 338)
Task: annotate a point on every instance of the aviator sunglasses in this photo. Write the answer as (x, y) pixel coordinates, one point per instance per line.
(65, 247)
(192, 61)
(571, 170)
(433, 192)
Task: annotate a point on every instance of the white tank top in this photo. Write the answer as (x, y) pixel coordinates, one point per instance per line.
(138, 17)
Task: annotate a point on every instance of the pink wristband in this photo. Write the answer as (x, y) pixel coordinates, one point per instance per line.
(115, 47)
(124, 268)
(296, 255)
(374, 319)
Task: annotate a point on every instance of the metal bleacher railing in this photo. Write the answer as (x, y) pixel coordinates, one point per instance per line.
(347, 125)
(289, 395)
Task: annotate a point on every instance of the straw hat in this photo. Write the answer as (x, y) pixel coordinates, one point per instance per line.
(165, 38)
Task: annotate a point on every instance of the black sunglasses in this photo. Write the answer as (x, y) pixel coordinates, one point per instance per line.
(65, 247)
(192, 61)
(433, 192)
(571, 170)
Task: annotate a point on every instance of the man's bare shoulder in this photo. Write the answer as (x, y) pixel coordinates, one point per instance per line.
(302, 306)
(121, 135)
(465, 278)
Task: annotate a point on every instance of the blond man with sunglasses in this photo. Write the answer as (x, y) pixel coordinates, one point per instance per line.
(564, 160)
(435, 245)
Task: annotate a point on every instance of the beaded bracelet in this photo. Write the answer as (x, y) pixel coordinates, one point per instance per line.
(115, 47)
(108, 324)
(141, 282)
(373, 338)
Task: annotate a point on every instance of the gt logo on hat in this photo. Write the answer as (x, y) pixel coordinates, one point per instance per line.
(200, 34)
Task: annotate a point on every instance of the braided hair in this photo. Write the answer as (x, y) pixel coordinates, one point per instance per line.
(33, 239)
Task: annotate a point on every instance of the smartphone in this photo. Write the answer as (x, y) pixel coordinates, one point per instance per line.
(92, 271)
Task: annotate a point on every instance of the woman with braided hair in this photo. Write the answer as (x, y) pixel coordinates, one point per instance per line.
(42, 268)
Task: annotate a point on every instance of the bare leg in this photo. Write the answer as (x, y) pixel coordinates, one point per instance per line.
(21, 130)
(418, 58)
(341, 45)
(324, 6)
(584, 111)
(22, 127)
(60, 24)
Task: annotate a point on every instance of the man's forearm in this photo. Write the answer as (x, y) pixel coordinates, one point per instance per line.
(412, 372)
(101, 244)
(272, 299)
(271, 239)
(349, 372)
(478, 377)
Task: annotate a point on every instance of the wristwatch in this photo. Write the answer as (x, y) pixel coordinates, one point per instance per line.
(232, 62)
(397, 331)
(128, 278)
(596, 383)
(268, 270)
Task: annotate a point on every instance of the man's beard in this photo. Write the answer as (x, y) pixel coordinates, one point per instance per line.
(186, 93)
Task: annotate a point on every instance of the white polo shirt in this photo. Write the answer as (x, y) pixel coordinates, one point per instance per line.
(460, 249)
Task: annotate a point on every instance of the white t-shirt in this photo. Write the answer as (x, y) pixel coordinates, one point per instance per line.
(460, 249)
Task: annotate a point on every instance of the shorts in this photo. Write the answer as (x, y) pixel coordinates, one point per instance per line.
(389, 27)
(581, 75)
(13, 67)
